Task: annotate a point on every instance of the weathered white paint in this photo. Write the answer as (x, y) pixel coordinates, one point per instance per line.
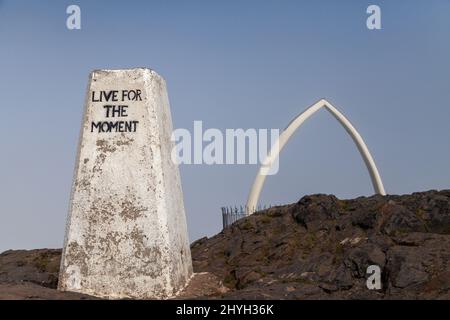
(126, 233)
(289, 131)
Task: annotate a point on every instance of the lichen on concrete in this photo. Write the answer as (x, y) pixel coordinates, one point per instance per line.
(126, 235)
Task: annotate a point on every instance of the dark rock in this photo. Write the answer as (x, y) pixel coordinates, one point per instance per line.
(320, 248)
(364, 219)
(341, 277)
(419, 258)
(360, 258)
(314, 210)
(36, 266)
(398, 219)
(438, 218)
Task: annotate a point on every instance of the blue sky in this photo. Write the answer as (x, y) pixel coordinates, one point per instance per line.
(231, 64)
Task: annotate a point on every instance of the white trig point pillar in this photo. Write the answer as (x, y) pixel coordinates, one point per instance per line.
(126, 233)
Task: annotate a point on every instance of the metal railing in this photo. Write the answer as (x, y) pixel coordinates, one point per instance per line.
(232, 214)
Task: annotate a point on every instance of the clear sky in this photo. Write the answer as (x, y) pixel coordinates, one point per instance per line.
(231, 64)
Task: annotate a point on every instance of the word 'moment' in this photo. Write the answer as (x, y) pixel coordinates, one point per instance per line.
(114, 126)
(115, 111)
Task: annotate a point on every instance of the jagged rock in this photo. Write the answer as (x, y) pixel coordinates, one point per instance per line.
(398, 219)
(364, 219)
(359, 258)
(316, 209)
(38, 266)
(320, 248)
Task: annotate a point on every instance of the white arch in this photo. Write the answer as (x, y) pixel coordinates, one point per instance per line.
(287, 133)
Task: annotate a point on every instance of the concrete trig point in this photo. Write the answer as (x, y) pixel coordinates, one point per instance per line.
(126, 233)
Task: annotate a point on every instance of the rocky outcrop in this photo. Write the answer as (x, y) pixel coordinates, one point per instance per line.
(317, 248)
(39, 266)
(320, 248)
(32, 274)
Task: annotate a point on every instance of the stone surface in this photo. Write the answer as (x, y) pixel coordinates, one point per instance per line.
(321, 246)
(40, 267)
(126, 233)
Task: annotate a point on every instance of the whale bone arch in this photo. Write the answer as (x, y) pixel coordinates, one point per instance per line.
(289, 131)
